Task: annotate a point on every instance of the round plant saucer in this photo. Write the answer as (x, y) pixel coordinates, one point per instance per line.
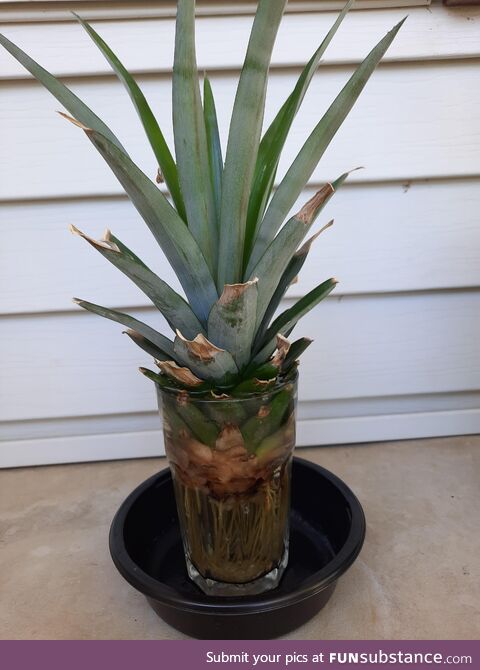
(327, 532)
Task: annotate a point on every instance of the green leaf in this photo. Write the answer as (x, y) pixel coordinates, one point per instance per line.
(285, 323)
(174, 308)
(252, 386)
(205, 360)
(303, 166)
(147, 346)
(296, 350)
(257, 428)
(201, 426)
(110, 237)
(149, 122)
(159, 340)
(68, 99)
(292, 271)
(214, 146)
(191, 137)
(161, 380)
(266, 237)
(243, 140)
(274, 139)
(229, 411)
(278, 255)
(166, 226)
(272, 368)
(182, 377)
(231, 323)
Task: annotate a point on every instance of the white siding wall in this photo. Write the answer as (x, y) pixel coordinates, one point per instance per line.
(396, 350)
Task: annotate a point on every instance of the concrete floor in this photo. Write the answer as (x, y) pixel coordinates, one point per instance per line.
(416, 578)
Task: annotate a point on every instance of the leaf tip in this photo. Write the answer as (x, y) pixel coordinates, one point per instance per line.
(133, 335)
(327, 226)
(105, 243)
(310, 210)
(75, 121)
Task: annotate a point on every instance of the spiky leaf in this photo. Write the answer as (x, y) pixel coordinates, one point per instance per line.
(266, 236)
(149, 122)
(163, 343)
(200, 425)
(304, 164)
(166, 226)
(273, 141)
(205, 359)
(296, 350)
(191, 139)
(251, 386)
(108, 236)
(182, 376)
(213, 140)
(161, 380)
(255, 429)
(276, 258)
(63, 94)
(147, 346)
(231, 323)
(243, 140)
(174, 308)
(286, 280)
(285, 323)
(272, 368)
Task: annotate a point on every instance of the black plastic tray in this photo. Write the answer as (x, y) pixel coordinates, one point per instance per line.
(327, 533)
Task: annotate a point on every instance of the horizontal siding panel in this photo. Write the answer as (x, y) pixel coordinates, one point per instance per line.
(309, 433)
(395, 353)
(80, 365)
(391, 237)
(15, 431)
(51, 10)
(147, 46)
(405, 126)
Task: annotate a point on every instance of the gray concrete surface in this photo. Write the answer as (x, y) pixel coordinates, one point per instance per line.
(418, 576)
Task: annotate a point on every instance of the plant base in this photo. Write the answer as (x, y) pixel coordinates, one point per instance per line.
(264, 583)
(327, 527)
(238, 544)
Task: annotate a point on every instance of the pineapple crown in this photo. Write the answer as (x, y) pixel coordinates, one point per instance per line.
(223, 229)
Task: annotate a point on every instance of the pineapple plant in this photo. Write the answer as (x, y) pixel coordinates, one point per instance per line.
(226, 376)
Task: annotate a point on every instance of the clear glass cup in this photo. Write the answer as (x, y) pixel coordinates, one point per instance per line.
(231, 467)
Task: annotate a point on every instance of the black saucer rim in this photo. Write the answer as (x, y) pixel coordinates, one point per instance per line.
(167, 596)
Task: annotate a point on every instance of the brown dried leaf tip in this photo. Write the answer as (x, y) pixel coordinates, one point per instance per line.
(200, 347)
(181, 375)
(310, 209)
(75, 122)
(104, 243)
(283, 347)
(232, 292)
(305, 248)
